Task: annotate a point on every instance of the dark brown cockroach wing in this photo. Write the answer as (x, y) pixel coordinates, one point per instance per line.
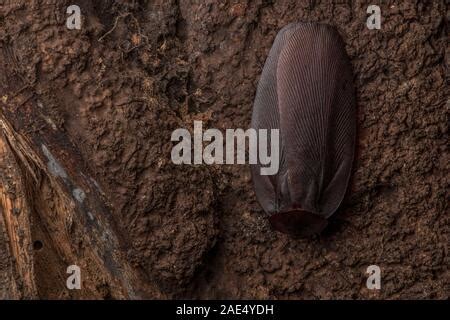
(306, 92)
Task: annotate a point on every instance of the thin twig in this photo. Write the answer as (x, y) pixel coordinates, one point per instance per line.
(114, 26)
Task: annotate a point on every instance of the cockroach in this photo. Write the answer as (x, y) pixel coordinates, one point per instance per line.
(306, 91)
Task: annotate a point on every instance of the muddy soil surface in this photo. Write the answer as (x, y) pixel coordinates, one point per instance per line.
(137, 70)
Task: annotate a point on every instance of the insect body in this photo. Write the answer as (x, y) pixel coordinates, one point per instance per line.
(306, 92)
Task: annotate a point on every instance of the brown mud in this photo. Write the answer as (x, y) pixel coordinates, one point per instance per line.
(86, 177)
